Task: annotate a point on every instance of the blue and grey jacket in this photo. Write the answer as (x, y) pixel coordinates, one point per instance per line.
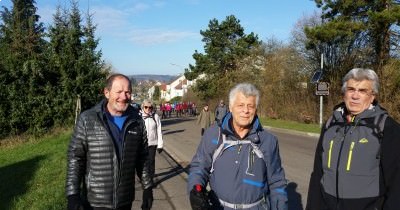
(354, 168)
(239, 176)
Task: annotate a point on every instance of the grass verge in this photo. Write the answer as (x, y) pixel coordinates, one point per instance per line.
(292, 125)
(33, 174)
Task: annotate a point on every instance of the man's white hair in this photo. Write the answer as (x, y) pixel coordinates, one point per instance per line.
(246, 89)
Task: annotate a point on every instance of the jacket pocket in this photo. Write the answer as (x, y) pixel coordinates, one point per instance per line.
(328, 155)
(361, 158)
(348, 165)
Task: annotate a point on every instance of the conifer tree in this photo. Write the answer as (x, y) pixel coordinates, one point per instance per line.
(23, 46)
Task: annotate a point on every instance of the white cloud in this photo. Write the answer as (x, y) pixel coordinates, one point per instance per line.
(109, 19)
(158, 36)
(159, 3)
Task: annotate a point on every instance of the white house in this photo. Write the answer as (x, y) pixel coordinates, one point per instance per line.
(177, 87)
(150, 92)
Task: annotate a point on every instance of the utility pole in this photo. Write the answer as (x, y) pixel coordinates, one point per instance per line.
(321, 98)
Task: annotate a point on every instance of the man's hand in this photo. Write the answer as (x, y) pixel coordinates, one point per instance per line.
(199, 199)
(159, 150)
(74, 202)
(147, 200)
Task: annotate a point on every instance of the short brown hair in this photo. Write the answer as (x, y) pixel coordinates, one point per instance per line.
(112, 77)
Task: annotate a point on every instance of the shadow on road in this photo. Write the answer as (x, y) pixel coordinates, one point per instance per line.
(173, 131)
(169, 174)
(294, 197)
(15, 180)
(170, 121)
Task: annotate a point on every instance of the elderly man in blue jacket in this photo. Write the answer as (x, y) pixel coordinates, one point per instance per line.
(239, 160)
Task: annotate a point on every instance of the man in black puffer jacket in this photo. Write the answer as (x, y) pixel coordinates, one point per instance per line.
(108, 145)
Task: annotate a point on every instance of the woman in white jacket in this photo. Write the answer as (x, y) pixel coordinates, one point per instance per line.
(154, 134)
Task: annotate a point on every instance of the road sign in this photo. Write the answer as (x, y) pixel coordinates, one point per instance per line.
(322, 89)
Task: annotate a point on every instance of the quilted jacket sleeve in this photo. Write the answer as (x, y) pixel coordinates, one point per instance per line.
(76, 158)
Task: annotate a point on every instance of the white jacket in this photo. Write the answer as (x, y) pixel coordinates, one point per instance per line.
(153, 127)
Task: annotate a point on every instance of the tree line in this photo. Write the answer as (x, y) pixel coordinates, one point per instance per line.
(44, 70)
(347, 34)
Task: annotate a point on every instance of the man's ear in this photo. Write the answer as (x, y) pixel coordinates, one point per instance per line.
(372, 99)
(106, 93)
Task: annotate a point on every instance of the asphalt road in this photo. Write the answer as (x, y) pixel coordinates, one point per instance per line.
(182, 136)
(297, 153)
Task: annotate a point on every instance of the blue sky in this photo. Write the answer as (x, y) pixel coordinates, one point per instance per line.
(160, 36)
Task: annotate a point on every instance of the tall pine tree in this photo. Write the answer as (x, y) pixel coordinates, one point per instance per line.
(24, 61)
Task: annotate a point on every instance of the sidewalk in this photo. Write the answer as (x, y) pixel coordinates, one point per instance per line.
(170, 191)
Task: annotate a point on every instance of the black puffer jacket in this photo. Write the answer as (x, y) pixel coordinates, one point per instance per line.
(109, 180)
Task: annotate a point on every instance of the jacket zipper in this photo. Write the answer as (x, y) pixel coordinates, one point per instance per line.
(118, 178)
(350, 155)
(347, 129)
(337, 166)
(330, 153)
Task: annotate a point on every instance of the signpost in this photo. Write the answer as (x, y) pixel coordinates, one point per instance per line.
(322, 88)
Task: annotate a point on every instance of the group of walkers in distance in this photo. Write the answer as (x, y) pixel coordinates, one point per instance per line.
(179, 109)
(237, 164)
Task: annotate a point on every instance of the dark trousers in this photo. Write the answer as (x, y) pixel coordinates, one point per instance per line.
(152, 158)
(202, 131)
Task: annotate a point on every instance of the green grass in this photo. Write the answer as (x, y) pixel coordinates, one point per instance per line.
(312, 128)
(33, 174)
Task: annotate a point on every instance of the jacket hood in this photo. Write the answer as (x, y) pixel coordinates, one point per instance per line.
(373, 110)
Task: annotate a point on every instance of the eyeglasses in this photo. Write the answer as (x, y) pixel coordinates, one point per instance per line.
(148, 107)
(361, 91)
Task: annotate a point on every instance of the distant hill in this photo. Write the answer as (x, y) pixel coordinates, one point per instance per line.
(156, 77)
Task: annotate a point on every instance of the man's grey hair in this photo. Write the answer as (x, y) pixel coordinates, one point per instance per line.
(360, 74)
(246, 89)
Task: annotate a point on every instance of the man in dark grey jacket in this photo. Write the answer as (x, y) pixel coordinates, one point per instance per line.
(220, 111)
(108, 145)
(357, 160)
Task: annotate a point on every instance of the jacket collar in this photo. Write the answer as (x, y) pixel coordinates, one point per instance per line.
(132, 113)
(341, 112)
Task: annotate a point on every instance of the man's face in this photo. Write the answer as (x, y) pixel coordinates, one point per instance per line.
(358, 96)
(118, 96)
(243, 110)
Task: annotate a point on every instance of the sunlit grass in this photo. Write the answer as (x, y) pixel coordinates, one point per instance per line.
(33, 174)
(313, 128)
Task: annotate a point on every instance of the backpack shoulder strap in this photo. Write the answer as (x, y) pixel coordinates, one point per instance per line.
(379, 125)
(222, 146)
(218, 151)
(328, 122)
